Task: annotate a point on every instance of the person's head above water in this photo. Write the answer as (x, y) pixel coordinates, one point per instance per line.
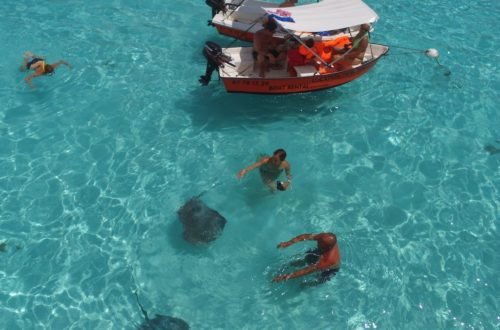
(279, 155)
(327, 241)
(48, 69)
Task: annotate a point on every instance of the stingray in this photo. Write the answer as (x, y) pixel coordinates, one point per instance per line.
(161, 322)
(491, 149)
(201, 223)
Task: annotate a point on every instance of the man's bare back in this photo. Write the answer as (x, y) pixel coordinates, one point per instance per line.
(262, 41)
(262, 47)
(325, 259)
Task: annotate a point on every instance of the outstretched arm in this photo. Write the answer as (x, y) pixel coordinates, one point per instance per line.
(298, 273)
(55, 65)
(303, 237)
(251, 167)
(31, 76)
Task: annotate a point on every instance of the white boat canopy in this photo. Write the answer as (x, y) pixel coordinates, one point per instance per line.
(325, 15)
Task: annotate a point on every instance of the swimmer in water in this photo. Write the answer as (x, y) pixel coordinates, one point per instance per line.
(271, 168)
(324, 260)
(39, 65)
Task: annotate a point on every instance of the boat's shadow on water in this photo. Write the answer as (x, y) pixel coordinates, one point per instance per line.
(212, 108)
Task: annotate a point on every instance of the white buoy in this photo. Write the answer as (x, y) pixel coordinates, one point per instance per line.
(432, 52)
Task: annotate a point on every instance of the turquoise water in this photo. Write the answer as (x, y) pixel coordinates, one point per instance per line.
(96, 160)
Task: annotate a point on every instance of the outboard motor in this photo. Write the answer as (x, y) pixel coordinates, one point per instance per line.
(215, 59)
(217, 6)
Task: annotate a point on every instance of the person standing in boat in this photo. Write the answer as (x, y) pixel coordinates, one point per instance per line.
(270, 168)
(265, 51)
(39, 65)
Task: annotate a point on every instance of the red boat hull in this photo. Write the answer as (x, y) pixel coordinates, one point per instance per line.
(295, 84)
(234, 33)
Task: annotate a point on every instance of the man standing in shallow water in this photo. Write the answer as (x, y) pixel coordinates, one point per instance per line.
(325, 258)
(270, 170)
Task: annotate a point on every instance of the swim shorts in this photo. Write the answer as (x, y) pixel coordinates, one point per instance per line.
(312, 257)
(33, 61)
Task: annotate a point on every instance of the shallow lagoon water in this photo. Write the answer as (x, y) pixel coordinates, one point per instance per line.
(95, 161)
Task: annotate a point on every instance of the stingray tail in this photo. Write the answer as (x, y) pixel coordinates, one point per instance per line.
(215, 184)
(142, 308)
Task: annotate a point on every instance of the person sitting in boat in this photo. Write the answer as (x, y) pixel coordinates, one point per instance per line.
(354, 52)
(308, 49)
(295, 58)
(39, 65)
(288, 3)
(265, 49)
(318, 54)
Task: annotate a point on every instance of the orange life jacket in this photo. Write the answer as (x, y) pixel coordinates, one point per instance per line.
(338, 42)
(327, 52)
(304, 51)
(324, 48)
